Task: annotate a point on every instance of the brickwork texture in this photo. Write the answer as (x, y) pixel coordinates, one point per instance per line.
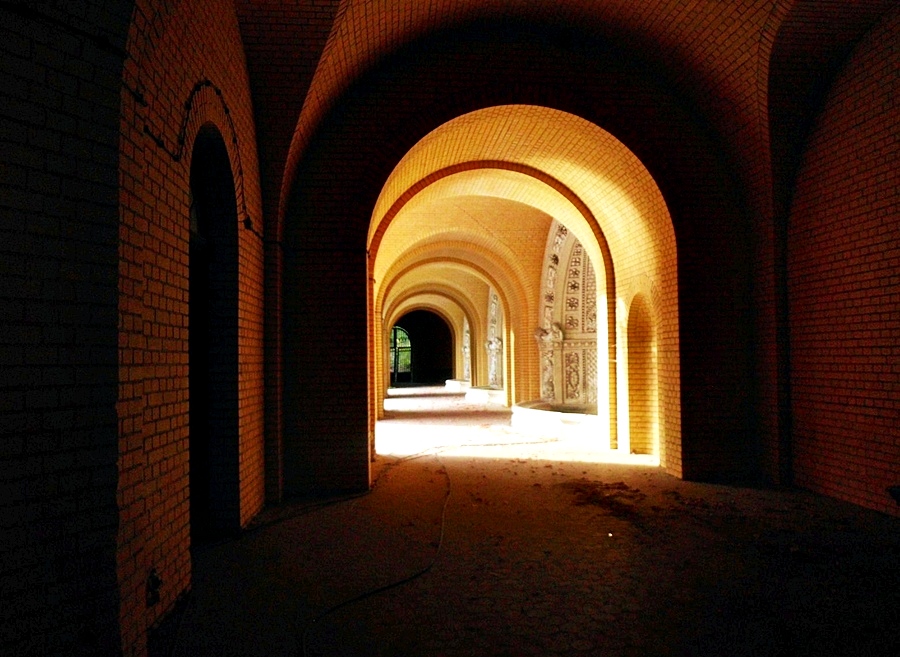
(213, 211)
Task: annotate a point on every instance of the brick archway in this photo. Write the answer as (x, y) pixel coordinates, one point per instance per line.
(585, 179)
(331, 190)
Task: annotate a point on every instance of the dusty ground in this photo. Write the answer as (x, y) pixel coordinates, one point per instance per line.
(508, 551)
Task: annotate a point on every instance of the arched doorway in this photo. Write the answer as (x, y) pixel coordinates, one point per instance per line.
(213, 341)
(421, 349)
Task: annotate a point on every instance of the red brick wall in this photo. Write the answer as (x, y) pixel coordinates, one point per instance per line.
(186, 69)
(60, 73)
(844, 259)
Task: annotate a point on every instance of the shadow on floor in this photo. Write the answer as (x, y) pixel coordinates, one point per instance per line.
(509, 556)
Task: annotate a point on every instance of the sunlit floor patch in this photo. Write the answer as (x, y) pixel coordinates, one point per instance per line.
(428, 420)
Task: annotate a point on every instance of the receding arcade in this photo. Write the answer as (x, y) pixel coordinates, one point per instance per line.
(471, 213)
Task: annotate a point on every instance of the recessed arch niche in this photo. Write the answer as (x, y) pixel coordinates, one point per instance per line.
(643, 379)
(214, 458)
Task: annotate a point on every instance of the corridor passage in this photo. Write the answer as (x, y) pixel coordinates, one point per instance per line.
(505, 554)
(431, 420)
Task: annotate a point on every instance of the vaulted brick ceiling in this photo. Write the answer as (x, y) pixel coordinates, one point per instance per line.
(304, 55)
(493, 180)
(716, 58)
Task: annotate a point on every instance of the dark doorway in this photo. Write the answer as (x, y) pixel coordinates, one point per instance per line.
(430, 349)
(212, 342)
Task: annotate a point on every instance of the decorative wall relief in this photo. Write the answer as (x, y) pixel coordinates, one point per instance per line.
(494, 344)
(573, 377)
(548, 389)
(589, 306)
(549, 342)
(590, 376)
(567, 335)
(467, 351)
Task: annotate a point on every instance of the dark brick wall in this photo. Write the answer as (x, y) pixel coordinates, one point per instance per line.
(60, 73)
(283, 42)
(844, 276)
(186, 72)
(810, 42)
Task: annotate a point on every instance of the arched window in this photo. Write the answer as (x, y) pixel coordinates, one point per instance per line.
(401, 356)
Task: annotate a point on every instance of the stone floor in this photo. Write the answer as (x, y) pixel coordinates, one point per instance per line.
(527, 550)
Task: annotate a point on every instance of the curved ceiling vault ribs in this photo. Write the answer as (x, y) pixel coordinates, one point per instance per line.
(478, 265)
(404, 303)
(486, 179)
(583, 163)
(553, 162)
(457, 272)
(494, 257)
(721, 78)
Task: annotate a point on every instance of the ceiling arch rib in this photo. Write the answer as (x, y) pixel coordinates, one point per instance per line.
(468, 187)
(457, 266)
(429, 296)
(436, 304)
(553, 147)
(479, 226)
(460, 284)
